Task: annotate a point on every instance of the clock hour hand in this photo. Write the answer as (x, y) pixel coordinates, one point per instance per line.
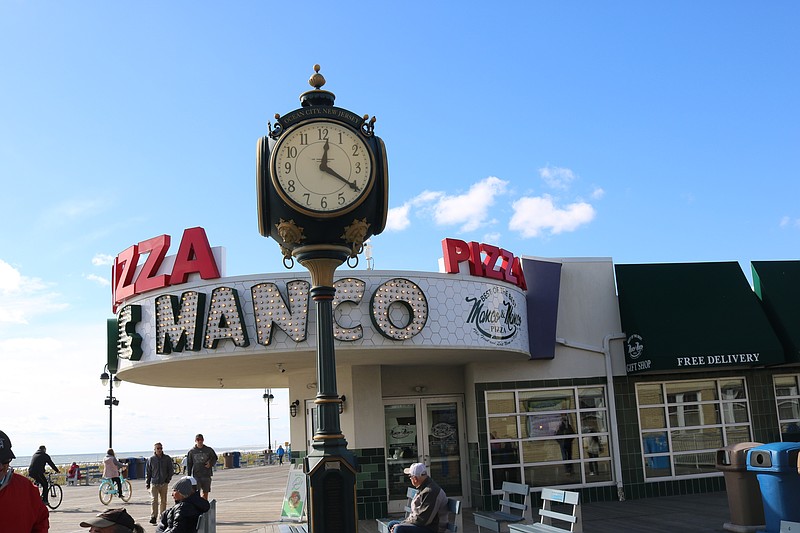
(323, 166)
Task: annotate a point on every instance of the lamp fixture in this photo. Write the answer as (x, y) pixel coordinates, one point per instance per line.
(110, 378)
(420, 388)
(341, 404)
(293, 408)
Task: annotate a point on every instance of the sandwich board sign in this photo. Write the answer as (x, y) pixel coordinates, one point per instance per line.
(294, 501)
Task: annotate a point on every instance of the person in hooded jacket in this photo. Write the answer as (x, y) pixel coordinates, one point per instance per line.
(183, 516)
(112, 468)
(39, 461)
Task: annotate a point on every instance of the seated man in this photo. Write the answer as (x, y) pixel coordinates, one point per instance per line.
(187, 509)
(428, 508)
(73, 474)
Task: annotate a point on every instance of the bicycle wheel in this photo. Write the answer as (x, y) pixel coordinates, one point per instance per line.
(56, 495)
(127, 491)
(106, 491)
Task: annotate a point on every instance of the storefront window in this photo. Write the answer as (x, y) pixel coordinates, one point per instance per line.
(682, 424)
(549, 437)
(788, 403)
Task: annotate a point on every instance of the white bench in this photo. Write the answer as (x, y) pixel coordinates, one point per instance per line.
(207, 522)
(511, 510)
(453, 506)
(571, 520)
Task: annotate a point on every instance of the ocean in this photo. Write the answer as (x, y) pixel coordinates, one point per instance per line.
(22, 461)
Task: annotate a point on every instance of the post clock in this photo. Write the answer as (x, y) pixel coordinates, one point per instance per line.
(322, 184)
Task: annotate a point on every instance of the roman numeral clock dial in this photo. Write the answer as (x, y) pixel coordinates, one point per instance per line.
(322, 168)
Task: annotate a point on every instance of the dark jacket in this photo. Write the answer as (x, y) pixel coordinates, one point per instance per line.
(196, 460)
(429, 507)
(158, 470)
(182, 517)
(39, 460)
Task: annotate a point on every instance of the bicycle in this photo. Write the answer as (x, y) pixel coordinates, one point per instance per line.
(108, 489)
(54, 492)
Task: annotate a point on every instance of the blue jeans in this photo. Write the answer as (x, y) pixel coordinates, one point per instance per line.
(400, 527)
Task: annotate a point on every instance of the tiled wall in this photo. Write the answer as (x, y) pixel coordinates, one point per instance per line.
(371, 490)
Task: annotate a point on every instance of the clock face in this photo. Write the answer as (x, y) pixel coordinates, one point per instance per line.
(322, 168)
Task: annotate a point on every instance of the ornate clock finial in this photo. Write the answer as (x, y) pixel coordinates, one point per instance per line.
(316, 80)
(318, 96)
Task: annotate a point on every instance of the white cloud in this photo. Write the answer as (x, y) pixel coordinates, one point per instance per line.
(535, 215)
(471, 209)
(23, 297)
(100, 280)
(492, 237)
(598, 193)
(103, 260)
(785, 221)
(557, 177)
(397, 218)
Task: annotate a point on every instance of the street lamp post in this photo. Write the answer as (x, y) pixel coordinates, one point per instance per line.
(110, 379)
(268, 397)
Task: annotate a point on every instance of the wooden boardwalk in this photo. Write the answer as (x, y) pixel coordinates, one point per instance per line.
(249, 501)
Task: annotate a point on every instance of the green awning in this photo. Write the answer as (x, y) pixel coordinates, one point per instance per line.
(777, 283)
(693, 316)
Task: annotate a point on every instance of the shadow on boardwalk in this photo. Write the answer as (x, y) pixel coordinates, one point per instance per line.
(249, 501)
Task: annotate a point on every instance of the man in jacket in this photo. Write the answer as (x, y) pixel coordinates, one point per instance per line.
(21, 508)
(183, 516)
(428, 508)
(157, 477)
(200, 461)
(39, 461)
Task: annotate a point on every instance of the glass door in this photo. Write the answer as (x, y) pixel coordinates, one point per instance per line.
(430, 431)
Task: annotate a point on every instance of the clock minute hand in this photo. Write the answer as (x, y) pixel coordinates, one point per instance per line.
(335, 174)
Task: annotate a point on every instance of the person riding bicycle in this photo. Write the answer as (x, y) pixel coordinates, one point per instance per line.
(20, 505)
(111, 468)
(39, 461)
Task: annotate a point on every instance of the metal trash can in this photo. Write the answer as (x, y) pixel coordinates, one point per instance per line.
(744, 494)
(775, 465)
(228, 458)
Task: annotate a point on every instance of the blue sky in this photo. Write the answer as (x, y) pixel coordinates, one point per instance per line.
(641, 131)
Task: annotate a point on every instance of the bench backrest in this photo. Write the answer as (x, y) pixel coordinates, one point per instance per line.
(454, 506)
(564, 499)
(516, 500)
(207, 523)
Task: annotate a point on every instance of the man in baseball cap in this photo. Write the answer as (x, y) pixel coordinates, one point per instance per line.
(26, 510)
(428, 508)
(113, 521)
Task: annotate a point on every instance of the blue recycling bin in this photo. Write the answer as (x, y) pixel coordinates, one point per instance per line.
(237, 459)
(133, 468)
(775, 466)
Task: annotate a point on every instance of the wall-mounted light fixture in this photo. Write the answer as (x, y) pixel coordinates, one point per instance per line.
(293, 408)
(341, 405)
(420, 388)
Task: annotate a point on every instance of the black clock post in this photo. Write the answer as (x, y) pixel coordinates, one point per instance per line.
(322, 184)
